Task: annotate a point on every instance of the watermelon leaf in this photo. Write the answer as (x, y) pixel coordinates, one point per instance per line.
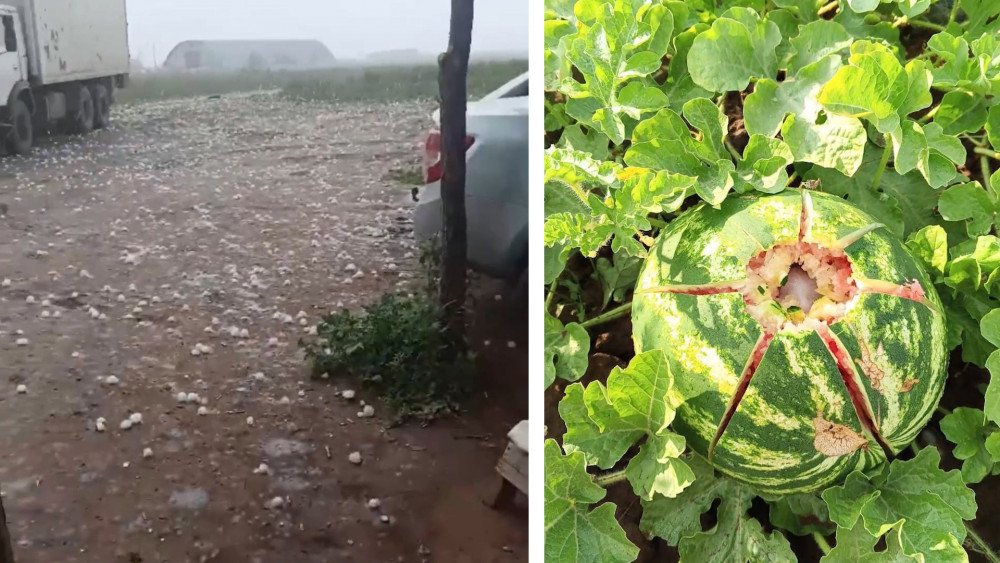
(735, 537)
(856, 545)
(603, 422)
(746, 42)
(968, 430)
(566, 350)
(931, 504)
(573, 532)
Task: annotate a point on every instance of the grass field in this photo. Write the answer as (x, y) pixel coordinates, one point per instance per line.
(377, 84)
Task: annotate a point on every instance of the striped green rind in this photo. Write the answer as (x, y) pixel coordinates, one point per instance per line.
(708, 245)
(892, 340)
(769, 442)
(878, 255)
(707, 341)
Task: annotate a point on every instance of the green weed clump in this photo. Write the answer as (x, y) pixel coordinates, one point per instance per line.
(399, 348)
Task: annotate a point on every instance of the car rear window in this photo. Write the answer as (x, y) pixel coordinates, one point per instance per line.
(519, 91)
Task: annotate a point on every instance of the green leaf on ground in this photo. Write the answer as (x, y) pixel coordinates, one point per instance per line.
(856, 545)
(930, 246)
(566, 350)
(664, 142)
(800, 514)
(617, 276)
(875, 86)
(764, 165)
(969, 203)
(573, 532)
(739, 46)
(968, 430)
(927, 149)
(604, 421)
(932, 504)
(735, 536)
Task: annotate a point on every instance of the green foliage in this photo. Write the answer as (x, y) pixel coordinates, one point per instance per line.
(931, 505)
(605, 421)
(653, 106)
(574, 533)
(399, 347)
(735, 537)
(371, 84)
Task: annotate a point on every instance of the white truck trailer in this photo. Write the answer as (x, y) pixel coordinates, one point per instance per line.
(60, 63)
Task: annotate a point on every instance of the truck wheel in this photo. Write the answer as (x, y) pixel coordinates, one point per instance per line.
(21, 134)
(102, 106)
(83, 122)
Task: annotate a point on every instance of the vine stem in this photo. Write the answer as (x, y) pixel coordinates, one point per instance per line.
(904, 21)
(551, 295)
(608, 316)
(828, 7)
(824, 545)
(983, 547)
(974, 141)
(954, 12)
(883, 162)
(987, 152)
(930, 115)
(612, 477)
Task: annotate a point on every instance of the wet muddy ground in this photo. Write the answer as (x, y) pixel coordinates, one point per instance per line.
(187, 250)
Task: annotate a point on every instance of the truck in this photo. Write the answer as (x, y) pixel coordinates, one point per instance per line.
(60, 63)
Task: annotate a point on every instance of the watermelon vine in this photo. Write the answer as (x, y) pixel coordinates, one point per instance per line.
(773, 280)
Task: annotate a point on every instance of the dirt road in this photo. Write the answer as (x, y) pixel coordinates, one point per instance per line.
(186, 250)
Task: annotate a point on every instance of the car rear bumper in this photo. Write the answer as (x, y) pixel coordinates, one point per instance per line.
(496, 233)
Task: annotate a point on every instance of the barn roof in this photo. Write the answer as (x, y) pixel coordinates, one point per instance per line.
(269, 53)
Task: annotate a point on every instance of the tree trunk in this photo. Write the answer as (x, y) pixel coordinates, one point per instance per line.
(454, 67)
(6, 544)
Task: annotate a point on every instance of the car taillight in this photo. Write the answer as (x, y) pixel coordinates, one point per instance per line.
(433, 167)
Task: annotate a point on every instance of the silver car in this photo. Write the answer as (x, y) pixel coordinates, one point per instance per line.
(496, 187)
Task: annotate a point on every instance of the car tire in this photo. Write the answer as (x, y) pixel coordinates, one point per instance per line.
(83, 121)
(102, 105)
(21, 135)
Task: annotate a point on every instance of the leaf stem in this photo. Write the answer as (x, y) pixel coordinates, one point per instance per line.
(658, 223)
(981, 545)
(610, 478)
(608, 316)
(791, 178)
(984, 165)
(883, 162)
(974, 141)
(904, 21)
(827, 8)
(954, 12)
(824, 545)
(732, 150)
(987, 152)
(930, 115)
(551, 295)
(943, 411)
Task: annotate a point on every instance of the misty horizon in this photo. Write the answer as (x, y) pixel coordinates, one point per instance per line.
(157, 26)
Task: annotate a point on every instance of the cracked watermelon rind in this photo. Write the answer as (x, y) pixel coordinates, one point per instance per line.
(896, 346)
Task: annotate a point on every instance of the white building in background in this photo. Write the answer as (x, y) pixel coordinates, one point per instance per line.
(233, 55)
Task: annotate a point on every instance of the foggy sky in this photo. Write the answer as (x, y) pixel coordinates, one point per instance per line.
(350, 28)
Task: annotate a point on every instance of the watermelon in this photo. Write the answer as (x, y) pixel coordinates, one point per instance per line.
(805, 339)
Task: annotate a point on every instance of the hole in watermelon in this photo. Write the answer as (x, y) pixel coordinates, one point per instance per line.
(854, 388)
(798, 286)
